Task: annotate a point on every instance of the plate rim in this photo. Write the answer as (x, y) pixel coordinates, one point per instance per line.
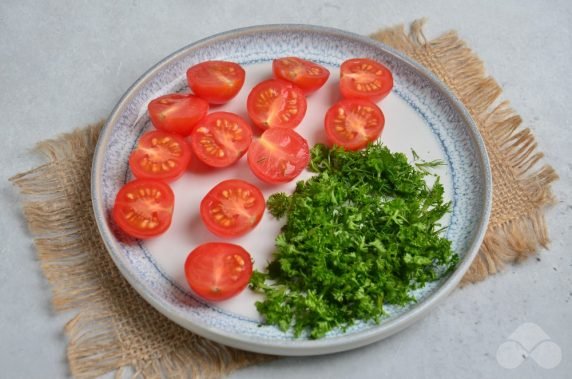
(297, 347)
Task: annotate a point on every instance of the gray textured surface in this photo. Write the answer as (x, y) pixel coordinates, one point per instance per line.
(65, 63)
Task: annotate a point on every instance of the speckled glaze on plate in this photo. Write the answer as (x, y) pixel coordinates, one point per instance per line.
(421, 114)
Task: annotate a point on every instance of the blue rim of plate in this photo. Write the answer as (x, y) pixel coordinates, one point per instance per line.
(299, 347)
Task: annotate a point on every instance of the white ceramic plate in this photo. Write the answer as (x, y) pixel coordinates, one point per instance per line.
(421, 114)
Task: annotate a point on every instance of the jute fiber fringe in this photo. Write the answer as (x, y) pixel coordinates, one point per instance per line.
(117, 331)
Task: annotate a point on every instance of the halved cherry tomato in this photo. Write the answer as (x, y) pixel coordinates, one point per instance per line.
(276, 103)
(232, 208)
(177, 113)
(216, 81)
(221, 138)
(278, 156)
(143, 208)
(353, 123)
(217, 271)
(363, 78)
(161, 156)
(306, 75)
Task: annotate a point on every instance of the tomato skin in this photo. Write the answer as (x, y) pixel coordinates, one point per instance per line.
(160, 156)
(217, 271)
(177, 113)
(306, 75)
(276, 103)
(221, 139)
(278, 156)
(353, 123)
(235, 202)
(375, 80)
(216, 81)
(143, 208)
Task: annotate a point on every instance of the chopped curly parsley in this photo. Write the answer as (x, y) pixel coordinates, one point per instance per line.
(362, 233)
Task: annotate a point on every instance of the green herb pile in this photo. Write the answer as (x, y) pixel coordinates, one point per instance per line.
(362, 233)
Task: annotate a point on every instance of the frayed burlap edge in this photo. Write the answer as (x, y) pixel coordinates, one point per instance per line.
(96, 347)
(521, 184)
(104, 335)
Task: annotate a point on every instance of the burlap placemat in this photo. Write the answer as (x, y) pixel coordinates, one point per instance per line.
(116, 330)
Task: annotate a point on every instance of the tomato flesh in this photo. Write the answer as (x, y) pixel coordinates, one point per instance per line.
(353, 123)
(143, 208)
(278, 156)
(177, 113)
(216, 81)
(221, 139)
(364, 78)
(306, 75)
(276, 103)
(160, 155)
(232, 208)
(217, 271)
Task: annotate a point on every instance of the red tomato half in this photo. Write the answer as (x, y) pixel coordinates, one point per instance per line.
(306, 75)
(278, 156)
(276, 103)
(221, 138)
(160, 155)
(216, 81)
(353, 123)
(177, 113)
(232, 208)
(143, 208)
(217, 271)
(363, 78)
